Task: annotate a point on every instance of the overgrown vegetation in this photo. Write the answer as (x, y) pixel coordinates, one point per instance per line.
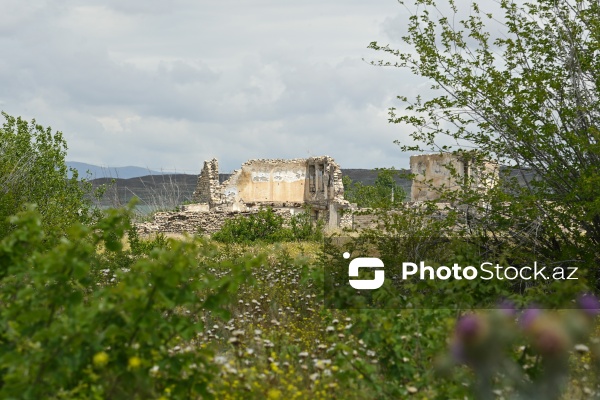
(384, 193)
(269, 227)
(526, 97)
(33, 170)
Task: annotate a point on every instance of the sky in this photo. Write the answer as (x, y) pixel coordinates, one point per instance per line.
(167, 84)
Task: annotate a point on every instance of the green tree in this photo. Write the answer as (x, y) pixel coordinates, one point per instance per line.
(384, 193)
(33, 170)
(526, 98)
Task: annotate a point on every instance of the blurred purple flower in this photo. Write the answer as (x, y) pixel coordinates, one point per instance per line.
(528, 316)
(507, 307)
(589, 304)
(468, 327)
(458, 352)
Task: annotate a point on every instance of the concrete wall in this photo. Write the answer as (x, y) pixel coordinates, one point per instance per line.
(433, 172)
(266, 181)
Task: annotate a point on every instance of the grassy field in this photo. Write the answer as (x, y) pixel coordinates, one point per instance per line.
(282, 343)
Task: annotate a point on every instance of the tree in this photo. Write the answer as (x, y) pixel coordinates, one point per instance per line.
(384, 193)
(527, 99)
(33, 170)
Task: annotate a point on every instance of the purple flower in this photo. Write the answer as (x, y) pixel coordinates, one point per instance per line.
(508, 307)
(528, 316)
(457, 352)
(468, 327)
(589, 304)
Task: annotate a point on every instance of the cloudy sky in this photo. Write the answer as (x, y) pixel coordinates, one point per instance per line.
(166, 84)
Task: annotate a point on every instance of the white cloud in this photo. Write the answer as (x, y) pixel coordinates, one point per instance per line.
(169, 84)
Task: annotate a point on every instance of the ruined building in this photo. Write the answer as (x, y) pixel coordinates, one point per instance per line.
(313, 184)
(288, 186)
(448, 171)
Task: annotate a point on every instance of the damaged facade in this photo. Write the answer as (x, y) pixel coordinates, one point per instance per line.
(433, 172)
(288, 186)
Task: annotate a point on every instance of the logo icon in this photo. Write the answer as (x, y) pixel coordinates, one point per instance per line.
(365, 262)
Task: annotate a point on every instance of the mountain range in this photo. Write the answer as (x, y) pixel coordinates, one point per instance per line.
(97, 172)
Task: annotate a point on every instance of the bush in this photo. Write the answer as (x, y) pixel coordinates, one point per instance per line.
(269, 227)
(74, 325)
(33, 170)
(384, 193)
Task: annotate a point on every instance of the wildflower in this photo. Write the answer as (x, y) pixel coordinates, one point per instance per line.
(581, 348)
(549, 337)
(468, 327)
(528, 316)
(134, 362)
(100, 359)
(589, 304)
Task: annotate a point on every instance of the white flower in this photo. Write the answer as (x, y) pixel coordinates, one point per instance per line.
(581, 348)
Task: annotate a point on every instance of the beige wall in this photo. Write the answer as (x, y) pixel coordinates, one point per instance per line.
(267, 181)
(447, 171)
(431, 170)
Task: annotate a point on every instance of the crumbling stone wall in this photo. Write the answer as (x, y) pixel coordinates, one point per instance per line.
(315, 181)
(288, 186)
(192, 221)
(450, 172)
(263, 180)
(208, 188)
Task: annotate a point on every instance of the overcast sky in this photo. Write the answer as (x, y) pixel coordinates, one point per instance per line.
(167, 84)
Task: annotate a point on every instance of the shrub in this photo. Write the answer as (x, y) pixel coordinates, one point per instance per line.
(269, 227)
(74, 326)
(33, 170)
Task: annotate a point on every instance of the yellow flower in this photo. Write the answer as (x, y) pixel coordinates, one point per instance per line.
(134, 362)
(273, 394)
(100, 359)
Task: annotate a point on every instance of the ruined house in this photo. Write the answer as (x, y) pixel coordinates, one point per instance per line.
(314, 182)
(288, 186)
(449, 171)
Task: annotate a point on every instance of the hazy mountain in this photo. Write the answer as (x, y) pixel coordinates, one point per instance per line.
(98, 172)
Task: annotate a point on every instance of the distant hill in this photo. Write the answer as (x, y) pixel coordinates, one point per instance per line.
(98, 172)
(155, 192)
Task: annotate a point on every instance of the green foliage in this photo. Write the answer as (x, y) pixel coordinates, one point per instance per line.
(139, 247)
(385, 193)
(527, 98)
(304, 228)
(269, 227)
(75, 325)
(33, 170)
